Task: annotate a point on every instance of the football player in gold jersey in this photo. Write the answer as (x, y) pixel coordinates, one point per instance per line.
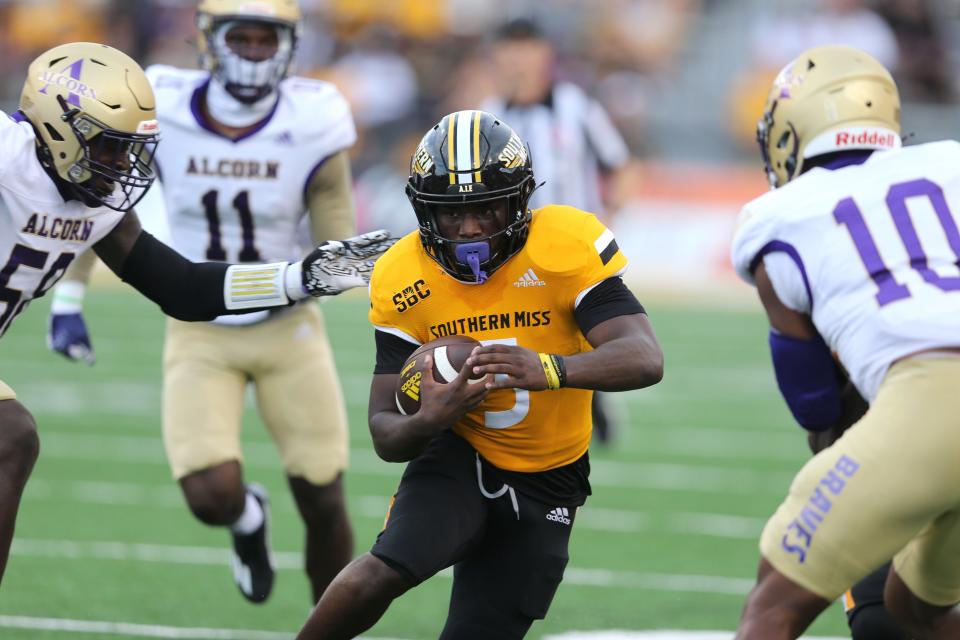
(496, 469)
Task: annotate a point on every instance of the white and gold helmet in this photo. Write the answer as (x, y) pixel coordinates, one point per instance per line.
(829, 99)
(251, 78)
(94, 114)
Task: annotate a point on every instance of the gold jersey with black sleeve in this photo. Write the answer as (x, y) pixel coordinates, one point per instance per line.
(530, 301)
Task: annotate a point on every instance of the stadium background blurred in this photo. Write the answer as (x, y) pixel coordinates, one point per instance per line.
(669, 539)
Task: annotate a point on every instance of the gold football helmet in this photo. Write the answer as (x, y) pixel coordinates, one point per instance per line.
(250, 78)
(829, 99)
(94, 115)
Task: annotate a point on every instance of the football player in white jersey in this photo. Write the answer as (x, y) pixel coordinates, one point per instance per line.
(248, 154)
(856, 257)
(74, 160)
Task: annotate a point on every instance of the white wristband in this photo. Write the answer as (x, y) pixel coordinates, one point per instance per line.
(255, 286)
(68, 297)
(294, 281)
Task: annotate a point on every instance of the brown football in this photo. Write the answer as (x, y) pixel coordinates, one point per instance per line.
(449, 354)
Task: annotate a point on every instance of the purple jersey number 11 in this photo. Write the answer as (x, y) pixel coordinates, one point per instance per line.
(888, 289)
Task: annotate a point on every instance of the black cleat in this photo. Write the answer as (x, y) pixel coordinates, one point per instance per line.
(251, 560)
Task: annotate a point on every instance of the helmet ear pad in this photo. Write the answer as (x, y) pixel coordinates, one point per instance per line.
(496, 167)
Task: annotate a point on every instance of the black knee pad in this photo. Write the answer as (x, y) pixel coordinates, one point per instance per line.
(874, 623)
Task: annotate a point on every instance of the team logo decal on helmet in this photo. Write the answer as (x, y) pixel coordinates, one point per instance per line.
(247, 80)
(828, 99)
(93, 111)
(471, 157)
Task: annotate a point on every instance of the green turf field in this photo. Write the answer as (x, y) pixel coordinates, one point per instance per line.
(667, 541)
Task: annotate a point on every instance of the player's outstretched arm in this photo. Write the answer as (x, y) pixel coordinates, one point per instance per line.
(204, 290)
(398, 437)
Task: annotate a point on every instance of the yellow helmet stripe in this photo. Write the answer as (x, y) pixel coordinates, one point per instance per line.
(451, 146)
(476, 145)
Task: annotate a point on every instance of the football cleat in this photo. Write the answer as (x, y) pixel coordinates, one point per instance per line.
(253, 569)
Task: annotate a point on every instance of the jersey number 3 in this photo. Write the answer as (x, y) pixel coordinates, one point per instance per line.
(215, 250)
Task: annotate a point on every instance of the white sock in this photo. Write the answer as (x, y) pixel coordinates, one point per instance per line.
(251, 518)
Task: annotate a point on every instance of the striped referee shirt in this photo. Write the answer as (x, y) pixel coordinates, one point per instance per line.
(571, 141)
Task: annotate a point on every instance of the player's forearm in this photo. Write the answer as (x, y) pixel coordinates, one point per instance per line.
(199, 291)
(618, 365)
(400, 438)
(69, 293)
(330, 200)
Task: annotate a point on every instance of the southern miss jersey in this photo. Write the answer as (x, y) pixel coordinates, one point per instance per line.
(242, 200)
(870, 251)
(40, 232)
(530, 302)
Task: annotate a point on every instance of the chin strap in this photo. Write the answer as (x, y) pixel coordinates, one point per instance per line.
(472, 254)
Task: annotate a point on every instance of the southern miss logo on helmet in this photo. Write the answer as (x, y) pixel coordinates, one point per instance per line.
(422, 162)
(514, 154)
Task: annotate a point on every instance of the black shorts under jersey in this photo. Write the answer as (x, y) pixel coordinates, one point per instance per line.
(508, 548)
(866, 615)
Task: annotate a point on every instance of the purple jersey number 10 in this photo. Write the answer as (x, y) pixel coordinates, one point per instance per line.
(889, 290)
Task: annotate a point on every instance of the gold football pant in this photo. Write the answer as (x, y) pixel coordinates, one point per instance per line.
(890, 487)
(288, 360)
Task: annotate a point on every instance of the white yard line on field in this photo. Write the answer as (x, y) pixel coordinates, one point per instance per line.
(143, 630)
(704, 478)
(656, 635)
(290, 560)
(205, 633)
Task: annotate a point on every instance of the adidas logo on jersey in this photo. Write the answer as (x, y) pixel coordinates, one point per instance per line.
(560, 514)
(529, 279)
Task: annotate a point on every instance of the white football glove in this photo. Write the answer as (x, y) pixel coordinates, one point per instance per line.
(338, 265)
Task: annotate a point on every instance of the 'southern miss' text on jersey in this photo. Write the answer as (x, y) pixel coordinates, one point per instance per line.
(529, 302)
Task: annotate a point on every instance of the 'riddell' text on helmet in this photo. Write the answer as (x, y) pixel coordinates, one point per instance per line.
(94, 115)
(828, 99)
(468, 158)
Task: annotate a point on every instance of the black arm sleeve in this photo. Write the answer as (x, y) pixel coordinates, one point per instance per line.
(609, 299)
(392, 352)
(184, 290)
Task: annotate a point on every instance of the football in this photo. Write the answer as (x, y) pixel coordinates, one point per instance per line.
(449, 354)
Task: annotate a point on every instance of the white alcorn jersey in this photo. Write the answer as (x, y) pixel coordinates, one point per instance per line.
(40, 232)
(243, 200)
(869, 251)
